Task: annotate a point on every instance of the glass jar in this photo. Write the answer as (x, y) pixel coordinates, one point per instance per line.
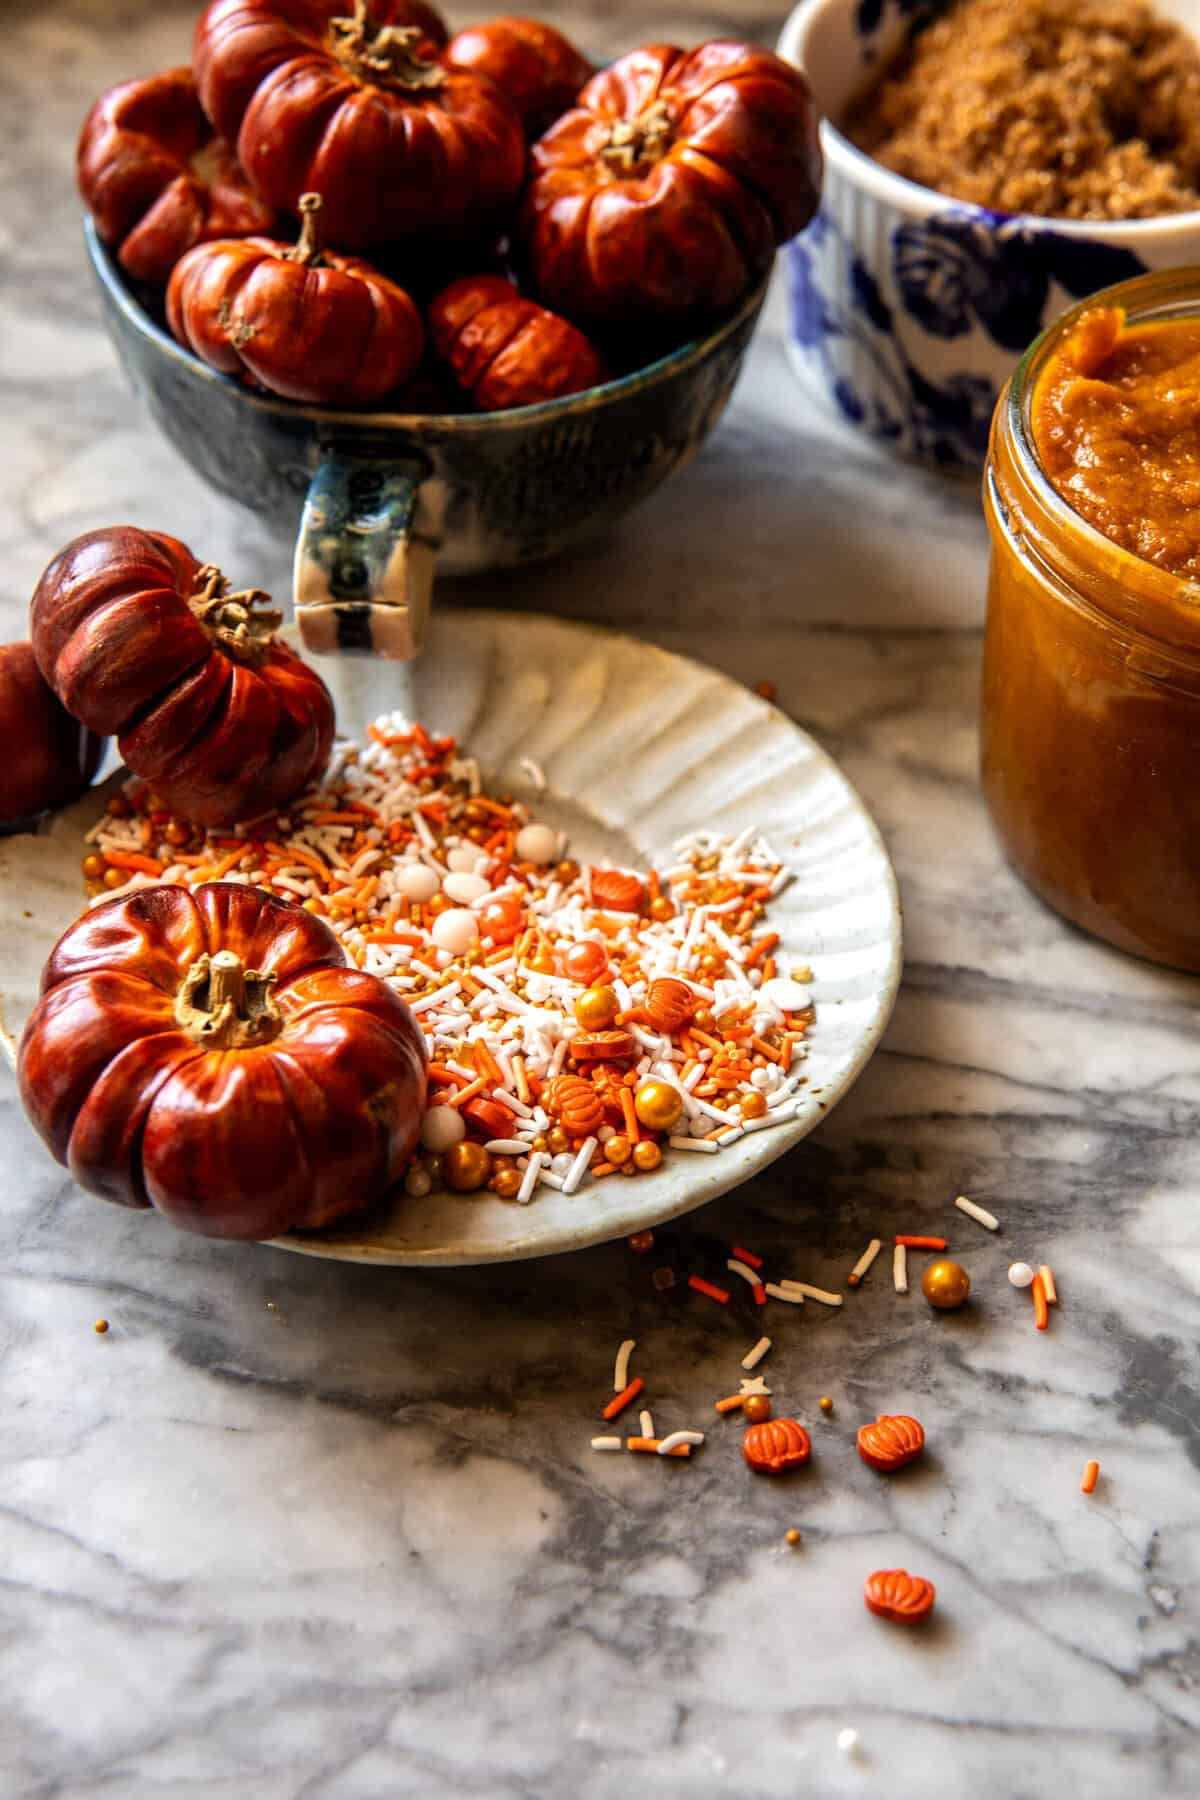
(1090, 732)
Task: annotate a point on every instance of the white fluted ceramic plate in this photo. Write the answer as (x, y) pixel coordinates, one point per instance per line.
(638, 747)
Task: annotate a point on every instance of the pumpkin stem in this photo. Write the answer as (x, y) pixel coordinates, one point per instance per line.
(231, 620)
(384, 55)
(308, 246)
(223, 1005)
(631, 144)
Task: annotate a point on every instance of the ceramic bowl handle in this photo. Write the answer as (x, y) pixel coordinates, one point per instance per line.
(365, 556)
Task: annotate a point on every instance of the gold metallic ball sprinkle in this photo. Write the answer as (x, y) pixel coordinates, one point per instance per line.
(641, 1241)
(704, 1018)
(661, 909)
(101, 1326)
(466, 1167)
(825, 1403)
(557, 1140)
(596, 1008)
(618, 1150)
(945, 1284)
(791, 1537)
(756, 1408)
(647, 1155)
(658, 1105)
(506, 1183)
(93, 866)
(753, 1104)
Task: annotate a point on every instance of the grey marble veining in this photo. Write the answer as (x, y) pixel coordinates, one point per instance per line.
(313, 1532)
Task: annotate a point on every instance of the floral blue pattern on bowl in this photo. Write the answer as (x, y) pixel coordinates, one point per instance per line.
(958, 273)
(908, 310)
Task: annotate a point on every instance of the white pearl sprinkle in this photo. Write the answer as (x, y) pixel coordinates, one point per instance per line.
(418, 883)
(1020, 1274)
(441, 1127)
(417, 1183)
(536, 844)
(466, 888)
(455, 930)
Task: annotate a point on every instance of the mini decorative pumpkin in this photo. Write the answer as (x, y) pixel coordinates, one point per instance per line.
(305, 323)
(49, 757)
(776, 1445)
(893, 1440)
(670, 1003)
(506, 351)
(140, 640)
(538, 69)
(616, 890)
(664, 191)
(209, 1053)
(601, 1046)
(357, 103)
(577, 1105)
(157, 180)
(895, 1594)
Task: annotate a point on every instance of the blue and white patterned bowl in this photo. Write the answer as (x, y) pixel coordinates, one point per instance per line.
(907, 309)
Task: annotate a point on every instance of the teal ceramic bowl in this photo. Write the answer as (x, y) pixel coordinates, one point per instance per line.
(377, 501)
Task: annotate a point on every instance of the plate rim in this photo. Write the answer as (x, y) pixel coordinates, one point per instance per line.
(714, 1180)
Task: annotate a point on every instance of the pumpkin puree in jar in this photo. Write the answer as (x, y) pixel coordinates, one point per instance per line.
(1091, 684)
(1116, 424)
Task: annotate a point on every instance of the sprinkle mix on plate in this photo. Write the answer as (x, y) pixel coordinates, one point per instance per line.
(580, 1021)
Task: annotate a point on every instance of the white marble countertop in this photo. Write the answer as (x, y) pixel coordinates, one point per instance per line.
(301, 1531)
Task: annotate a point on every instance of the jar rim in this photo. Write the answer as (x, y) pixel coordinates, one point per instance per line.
(1174, 600)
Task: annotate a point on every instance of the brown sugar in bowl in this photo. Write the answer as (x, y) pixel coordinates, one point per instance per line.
(907, 306)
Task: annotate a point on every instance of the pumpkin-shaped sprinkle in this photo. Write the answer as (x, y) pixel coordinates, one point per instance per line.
(616, 890)
(577, 1106)
(895, 1594)
(601, 1046)
(776, 1445)
(893, 1440)
(670, 1003)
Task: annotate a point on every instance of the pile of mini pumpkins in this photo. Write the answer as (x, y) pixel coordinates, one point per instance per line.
(531, 225)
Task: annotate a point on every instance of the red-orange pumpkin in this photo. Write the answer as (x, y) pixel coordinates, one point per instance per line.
(157, 180)
(356, 102)
(536, 67)
(296, 318)
(209, 1053)
(141, 641)
(663, 193)
(49, 757)
(506, 351)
